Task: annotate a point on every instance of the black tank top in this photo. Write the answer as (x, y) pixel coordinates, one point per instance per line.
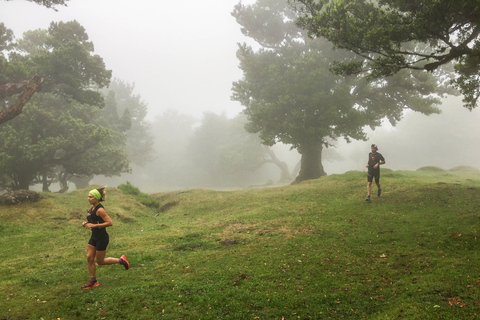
(93, 218)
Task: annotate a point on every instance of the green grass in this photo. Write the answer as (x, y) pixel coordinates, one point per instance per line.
(139, 196)
(316, 250)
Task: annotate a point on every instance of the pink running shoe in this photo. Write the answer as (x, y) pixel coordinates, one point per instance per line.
(91, 284)
(125, 262)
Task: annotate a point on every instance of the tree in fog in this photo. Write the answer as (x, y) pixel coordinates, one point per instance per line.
(58, 135)
(61, 55)
(8, 72)
(224, 154)
(290, 95)
(126, 112)
(392, 35)
(49, 142)
(17, 90)
(170, 166)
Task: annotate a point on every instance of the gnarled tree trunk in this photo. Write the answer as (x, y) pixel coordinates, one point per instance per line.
(26, 90)
(311, 163)
(285, 175)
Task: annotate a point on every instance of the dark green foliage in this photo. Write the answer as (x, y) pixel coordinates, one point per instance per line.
(63, 56)
(59, 135)
(53, 134)
(141, 197)
(391, 35)
(291, 96)
(6, 37)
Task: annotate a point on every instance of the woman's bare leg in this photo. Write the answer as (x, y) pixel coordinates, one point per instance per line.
(91, 253)
(101, 260)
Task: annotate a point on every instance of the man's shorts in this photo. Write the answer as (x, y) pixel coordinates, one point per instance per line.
(100, 243)
(370, 177)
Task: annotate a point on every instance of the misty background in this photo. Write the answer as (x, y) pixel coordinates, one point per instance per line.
(180, 59)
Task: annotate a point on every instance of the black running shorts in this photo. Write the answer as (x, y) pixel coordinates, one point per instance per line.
(370, 177)
(100, 243)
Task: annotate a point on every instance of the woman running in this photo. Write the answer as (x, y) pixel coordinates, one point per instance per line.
(98, 220)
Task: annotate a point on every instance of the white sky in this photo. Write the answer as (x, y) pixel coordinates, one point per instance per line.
(180, 55)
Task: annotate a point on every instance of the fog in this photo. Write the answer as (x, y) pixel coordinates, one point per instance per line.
(445, 140)
(181, 56)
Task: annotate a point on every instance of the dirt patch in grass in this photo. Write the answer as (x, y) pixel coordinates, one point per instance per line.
(167, 206)
(76, 215)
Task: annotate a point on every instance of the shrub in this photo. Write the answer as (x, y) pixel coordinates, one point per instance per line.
(431, 169)
(141, 197)
(19, 196)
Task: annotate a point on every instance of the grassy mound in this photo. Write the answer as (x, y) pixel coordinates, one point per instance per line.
(431, 169)
(141, 197)
(465, 169)
(316, 250)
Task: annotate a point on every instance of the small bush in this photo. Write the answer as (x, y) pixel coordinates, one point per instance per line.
(19, 196)
(141, 197)
(431, 169)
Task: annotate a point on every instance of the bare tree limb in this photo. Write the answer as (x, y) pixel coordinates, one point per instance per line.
(26, 92)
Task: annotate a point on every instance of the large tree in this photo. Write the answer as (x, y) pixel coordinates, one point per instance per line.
(391, 35)
(290, 95)
(61, 57)
(53, 140)
(59, 135)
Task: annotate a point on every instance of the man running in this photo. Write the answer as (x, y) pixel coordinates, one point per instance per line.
(375, 159)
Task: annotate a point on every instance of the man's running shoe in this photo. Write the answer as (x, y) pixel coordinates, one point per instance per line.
(91, 284)
(368, 198)
(125, 262)
(379, 192)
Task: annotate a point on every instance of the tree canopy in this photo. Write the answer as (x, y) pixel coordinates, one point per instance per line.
(126, 111)
(51, 142)
(64, 56)
(26, 89)
(61, 57)
(60, 133)
(291, 96)
(391, 35)
(214, 151)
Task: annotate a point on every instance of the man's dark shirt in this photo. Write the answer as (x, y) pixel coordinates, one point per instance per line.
(373, 159)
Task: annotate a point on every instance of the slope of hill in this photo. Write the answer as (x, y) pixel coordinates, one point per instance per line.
(316, 250)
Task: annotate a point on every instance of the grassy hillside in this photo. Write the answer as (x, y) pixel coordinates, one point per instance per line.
(316, 250)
